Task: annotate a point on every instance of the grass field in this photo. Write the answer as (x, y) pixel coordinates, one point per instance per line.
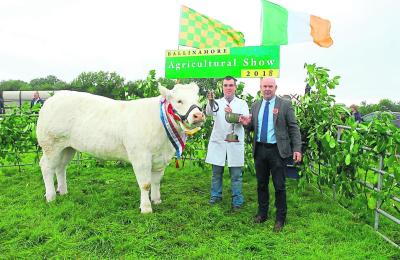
(358, 206)
(100, 218)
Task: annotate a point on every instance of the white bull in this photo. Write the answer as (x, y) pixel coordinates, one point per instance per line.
(123, 130)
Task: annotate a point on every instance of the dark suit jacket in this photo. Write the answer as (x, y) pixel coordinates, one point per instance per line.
(287, 131)
(2, 111)
(357, 117)
(39, 101)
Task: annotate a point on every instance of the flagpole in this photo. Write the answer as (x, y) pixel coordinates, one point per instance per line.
(261, 22)
(179, 31)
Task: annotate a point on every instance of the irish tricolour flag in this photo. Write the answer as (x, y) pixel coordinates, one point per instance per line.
(280, 27)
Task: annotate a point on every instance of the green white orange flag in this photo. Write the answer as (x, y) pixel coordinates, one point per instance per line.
(200, 31)
(281, 26)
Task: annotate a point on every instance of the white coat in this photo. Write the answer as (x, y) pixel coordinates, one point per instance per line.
(220, 150)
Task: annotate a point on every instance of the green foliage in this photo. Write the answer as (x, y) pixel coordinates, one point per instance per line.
(48, 83)
(383, 105)
(107, 84)
(18, 134)
(99, 218)
(336, 164)
(8, 85)
(144, 88)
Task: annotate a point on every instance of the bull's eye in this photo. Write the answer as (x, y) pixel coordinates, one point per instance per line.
(180, 102)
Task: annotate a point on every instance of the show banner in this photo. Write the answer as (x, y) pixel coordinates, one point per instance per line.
(239, 62)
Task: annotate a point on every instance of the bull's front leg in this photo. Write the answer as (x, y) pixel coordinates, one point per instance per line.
(155, 186)
(142, 168)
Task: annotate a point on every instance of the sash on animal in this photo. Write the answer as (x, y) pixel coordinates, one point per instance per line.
(174, 137)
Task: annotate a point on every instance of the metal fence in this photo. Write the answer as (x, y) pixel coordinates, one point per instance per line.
(78, 159)
(18, 97)
(378, 211)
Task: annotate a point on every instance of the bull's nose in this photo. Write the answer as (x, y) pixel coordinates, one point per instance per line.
(198, 117)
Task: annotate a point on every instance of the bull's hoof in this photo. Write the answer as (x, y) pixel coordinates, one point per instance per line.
(156, 201)
(50, 197)
(62, 191)
(146, 210)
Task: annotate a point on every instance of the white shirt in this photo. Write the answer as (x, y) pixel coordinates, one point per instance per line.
(220, 151)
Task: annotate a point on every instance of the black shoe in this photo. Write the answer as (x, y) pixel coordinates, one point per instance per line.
(215, 200)
(260, 219)
(278, 226)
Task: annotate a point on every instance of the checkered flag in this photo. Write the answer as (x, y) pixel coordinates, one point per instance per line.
(200, 31)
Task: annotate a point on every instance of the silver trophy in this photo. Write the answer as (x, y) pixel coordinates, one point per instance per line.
(232, 118)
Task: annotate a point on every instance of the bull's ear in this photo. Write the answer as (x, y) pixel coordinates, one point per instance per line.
(164, 91)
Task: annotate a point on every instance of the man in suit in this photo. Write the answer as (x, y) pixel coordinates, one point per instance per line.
(36, 99)
(2, 111)
(276, 137)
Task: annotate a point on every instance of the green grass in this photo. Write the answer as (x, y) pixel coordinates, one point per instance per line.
(100, 218)
(359, 207)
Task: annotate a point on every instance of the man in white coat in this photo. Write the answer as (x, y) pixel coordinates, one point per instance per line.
(220, 151)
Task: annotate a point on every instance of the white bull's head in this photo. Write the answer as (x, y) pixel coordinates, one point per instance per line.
(185, 102)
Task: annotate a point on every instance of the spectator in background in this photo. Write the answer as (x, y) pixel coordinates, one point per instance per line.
(355, 113)
(36, 99)
(2, 110)
(307, 90)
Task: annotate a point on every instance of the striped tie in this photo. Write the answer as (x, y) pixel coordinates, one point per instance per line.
(264, 127)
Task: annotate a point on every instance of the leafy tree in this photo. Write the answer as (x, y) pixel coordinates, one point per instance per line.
(12, 85)
(48, 83)
(343, 164)
(18, 134)
(388, 105)
(144, 88)
(107, 84)
(383, 105)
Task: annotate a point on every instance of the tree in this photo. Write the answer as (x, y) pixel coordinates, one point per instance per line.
(48, 83)
(145, 88)
(383, 105)
(10, 85)
(388, 105)
(107, 84)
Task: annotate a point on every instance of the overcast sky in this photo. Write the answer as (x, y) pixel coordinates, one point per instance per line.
(67, 37)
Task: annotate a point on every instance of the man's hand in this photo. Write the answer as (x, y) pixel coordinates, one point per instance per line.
(210, 95)
(245, 120)
(297, 157)
(228, 109)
